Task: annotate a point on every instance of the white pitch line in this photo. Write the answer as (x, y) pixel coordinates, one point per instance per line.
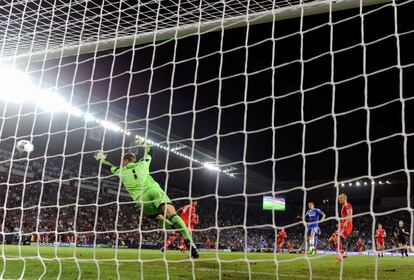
(262, 273)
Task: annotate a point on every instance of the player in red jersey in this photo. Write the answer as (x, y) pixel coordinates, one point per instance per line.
(345, 227)
(194, 221)
(360, 246)
(187, 213)
(289, 247)
(346, 216)
(208, 243)
(380, 236)
(281, 236)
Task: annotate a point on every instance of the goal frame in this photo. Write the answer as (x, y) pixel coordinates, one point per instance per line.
(277, 14)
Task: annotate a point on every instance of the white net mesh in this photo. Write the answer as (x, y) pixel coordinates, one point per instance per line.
(314, 101)
(53, 24)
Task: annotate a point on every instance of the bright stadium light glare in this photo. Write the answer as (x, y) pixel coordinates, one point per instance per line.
(365, 183)
(106, 124)
(388, 182)
(358, 183)
(89, 117)
(210, 166)
(74, 111)
(109, 125)
(51, 102)
(16, 86)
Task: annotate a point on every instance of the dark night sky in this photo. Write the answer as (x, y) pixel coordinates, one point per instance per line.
(349, 87)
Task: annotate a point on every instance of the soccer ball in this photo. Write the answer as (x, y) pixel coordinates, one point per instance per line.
(24, 146)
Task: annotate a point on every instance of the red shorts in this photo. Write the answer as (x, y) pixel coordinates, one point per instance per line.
(380, 241)
(345, 232)
(360, 248)
(280, 241)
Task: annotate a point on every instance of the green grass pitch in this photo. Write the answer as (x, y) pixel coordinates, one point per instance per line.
(156, 265)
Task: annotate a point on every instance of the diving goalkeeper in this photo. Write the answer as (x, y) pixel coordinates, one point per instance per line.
(147, 193)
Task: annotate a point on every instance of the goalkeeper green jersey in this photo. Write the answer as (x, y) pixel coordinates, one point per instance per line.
(136, 177)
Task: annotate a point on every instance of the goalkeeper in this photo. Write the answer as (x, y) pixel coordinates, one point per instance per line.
(147, 193)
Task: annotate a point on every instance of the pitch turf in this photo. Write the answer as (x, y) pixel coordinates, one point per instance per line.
(178, 265)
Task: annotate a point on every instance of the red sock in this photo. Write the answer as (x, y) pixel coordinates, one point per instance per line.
(182, 244)
(341, 249)
(171, 240)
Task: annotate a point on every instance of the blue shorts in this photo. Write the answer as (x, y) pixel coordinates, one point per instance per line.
(314, 228)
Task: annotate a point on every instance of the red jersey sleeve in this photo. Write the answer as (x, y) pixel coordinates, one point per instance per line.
(184, 212)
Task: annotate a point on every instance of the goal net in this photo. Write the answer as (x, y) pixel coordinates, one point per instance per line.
(250, 109)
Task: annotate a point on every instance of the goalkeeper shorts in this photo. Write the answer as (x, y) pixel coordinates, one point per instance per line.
(152, 200)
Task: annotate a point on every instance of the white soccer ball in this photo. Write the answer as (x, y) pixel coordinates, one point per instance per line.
(24, 146)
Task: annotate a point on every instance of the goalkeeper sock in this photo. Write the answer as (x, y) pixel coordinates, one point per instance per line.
(168, 224)
(179, 224)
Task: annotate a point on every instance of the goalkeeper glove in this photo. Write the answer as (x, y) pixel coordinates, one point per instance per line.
(99, 156)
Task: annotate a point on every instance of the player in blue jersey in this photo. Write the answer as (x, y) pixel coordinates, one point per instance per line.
(262, 244)
(312, 217)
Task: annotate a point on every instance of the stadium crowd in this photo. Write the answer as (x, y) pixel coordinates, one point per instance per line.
(92, 211)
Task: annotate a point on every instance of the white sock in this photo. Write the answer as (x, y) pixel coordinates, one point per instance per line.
(312, 242)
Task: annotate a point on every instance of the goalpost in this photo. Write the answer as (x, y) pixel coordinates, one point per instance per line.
(188, 76)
